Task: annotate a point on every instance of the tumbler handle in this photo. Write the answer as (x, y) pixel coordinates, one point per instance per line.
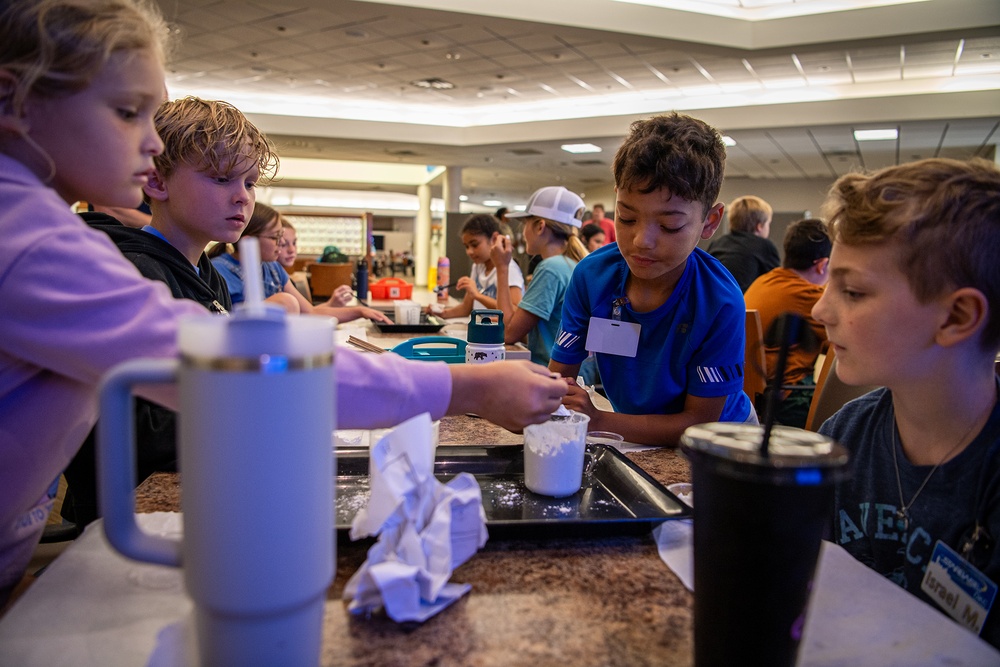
(116, 460)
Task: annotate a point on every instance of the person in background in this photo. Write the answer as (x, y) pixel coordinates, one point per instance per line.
(913, 305)
(288, 252)
(795, 287)
(551, 221)
(745, 250)
(84, 78)
(665, 319)
(597, 218)
(478, 235)
(265, 225)
(593, 236)
(198, 192)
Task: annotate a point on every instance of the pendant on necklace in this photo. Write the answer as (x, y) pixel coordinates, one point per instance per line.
(903, 517)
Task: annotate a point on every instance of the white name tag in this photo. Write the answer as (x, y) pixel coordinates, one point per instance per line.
(613, 337)
(962, 591)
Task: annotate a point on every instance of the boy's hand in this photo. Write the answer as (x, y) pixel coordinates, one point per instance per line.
(577, 398)
(501, 251)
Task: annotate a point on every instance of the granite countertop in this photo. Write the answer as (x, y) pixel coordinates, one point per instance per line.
(574, 601)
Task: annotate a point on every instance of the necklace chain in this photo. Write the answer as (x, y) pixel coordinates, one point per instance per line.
(903, 513)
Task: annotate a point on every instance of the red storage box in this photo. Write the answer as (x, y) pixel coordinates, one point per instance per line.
(391, 288)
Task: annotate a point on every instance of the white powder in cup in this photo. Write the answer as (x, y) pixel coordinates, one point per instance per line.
(554, 454)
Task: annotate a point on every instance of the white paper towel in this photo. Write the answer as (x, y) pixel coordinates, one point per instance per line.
(425, 528)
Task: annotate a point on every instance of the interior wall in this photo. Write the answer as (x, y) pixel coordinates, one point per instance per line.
(799, 195)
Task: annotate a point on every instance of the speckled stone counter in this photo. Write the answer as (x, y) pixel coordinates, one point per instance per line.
(579, 602)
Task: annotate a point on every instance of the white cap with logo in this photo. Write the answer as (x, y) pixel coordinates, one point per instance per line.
(554, 203)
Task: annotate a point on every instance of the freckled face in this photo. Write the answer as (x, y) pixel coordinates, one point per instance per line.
(656, 232)
(877, 328)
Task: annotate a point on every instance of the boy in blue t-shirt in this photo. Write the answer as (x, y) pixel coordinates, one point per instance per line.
(664, 318)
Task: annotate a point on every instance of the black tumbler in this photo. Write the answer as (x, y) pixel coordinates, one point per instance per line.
(758, 524)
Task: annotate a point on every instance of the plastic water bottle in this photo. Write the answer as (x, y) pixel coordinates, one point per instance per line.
(443, 279)
(485, 337)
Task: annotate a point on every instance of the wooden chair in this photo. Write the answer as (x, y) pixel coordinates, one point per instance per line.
(754, 361)
(325, 278)
(831, 393)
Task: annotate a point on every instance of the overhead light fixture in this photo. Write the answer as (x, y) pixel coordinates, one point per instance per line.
(433, 83)
(728, 140)
(876, 135)
(463, 197)
(581, 148)
(492, 202)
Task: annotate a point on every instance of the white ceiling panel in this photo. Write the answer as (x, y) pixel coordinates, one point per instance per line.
(368, 53)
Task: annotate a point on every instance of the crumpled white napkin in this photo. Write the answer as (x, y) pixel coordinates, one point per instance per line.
(675, 544)
(425, 528)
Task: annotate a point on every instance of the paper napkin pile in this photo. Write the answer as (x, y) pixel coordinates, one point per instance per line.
(425, 528)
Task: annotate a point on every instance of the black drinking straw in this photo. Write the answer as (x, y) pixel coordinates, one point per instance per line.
(788, 329)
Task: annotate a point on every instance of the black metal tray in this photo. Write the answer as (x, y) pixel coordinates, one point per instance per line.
(428, 324)
(617, 496)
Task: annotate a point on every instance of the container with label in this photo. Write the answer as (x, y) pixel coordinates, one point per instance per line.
(485, 337)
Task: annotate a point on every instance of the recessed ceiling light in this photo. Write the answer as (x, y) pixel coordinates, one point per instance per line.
(492, 202)
(433, 82)
(876, 135)
(728, 140)
(581, 148)
(463, 197)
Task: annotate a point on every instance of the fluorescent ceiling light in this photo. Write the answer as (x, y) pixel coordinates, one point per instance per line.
(581, 148)
(876, 135)
(728, 140)
(463, 197)
(763, 10)
(492, 202)
(345, 200)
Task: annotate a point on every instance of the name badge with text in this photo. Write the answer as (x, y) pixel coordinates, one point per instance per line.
(962, 591)
(613, 337)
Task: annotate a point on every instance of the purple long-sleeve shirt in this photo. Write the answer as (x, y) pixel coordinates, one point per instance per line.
(71, 307)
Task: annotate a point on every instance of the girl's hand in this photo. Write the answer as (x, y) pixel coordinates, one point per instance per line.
(467, 284)
(341, 297)
(375, 315)
(501, 251)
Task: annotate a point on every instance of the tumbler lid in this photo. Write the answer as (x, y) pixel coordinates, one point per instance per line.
(794, 455)
(486, 326)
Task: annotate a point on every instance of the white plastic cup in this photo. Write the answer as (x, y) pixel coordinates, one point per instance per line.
(554, 454)
(407, 312)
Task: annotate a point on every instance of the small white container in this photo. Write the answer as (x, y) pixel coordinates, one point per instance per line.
(554, 454)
